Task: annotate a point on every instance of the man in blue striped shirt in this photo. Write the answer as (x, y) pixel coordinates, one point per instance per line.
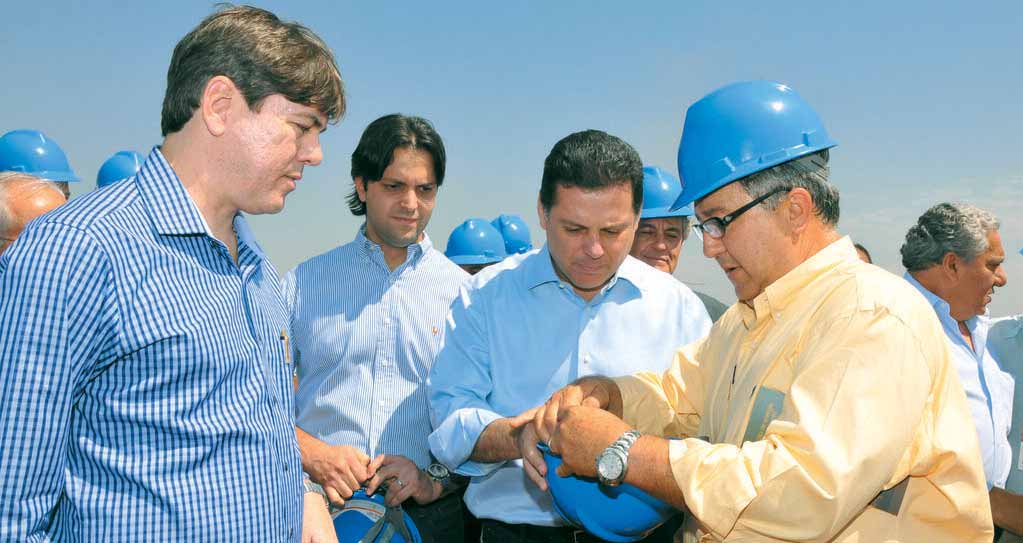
(145, 389)
(521, 329)
(366, 319)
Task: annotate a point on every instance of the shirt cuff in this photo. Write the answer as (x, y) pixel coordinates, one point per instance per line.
(453, 441)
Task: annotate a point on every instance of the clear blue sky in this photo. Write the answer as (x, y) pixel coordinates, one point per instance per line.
(924, 98)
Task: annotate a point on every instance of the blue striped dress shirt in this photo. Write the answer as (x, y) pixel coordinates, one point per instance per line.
(145, 392)
(517, 333)
(364, 339)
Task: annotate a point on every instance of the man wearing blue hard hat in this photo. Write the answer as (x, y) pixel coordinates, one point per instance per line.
(826, 402)
(366, 321)
(515, 232)
(122, 165)
(953, 255)
(474, 245)
(662, 230)
(145, 384)
(520, 329)
(22, 198)
(32, 153)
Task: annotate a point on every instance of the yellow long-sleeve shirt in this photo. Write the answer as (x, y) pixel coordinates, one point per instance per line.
(836, 385)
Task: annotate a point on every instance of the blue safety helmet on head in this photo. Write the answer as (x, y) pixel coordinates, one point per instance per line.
(31, 152)
(368, 520)
(741, 129)
(660, 190)
(122, 165)
(515, 233)
(475, 241)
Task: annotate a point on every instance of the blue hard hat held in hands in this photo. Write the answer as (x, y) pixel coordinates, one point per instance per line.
(122, 165)
(367, 519)
(741, 129)
(32, 153)
(475, 241)
(622, 513)
(660, 190)
(515, 233)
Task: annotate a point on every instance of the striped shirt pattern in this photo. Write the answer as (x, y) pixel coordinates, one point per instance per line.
(364, 340)
(144, 383)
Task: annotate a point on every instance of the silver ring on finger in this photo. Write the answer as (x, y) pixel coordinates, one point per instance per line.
(400, 483)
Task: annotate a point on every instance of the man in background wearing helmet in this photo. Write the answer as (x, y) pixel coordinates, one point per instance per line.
(30, 152)
(366, 321)
(533, 323)
(122, 165)
(826, 401)
(953, 255)
(474, 245)
(662, 230)
(22, 198)
(515, 232)
(145, 386)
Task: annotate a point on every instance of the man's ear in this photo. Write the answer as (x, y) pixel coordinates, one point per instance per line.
(218, 96)
(800, 209)
(360, 188)
(951, 265)
(542, 214)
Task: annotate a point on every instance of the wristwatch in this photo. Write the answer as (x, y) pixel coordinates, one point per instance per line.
(613, 462)
(438, 472)
(310, 486)
(448, 481)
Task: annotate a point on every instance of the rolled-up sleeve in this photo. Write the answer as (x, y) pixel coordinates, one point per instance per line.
(828, 454)
(54, 299)
(458, 388)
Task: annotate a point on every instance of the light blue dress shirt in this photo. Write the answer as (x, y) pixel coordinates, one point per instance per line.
(145, 391)
(516, 334)
(364, 339)
(1005, 340)
(988, 388)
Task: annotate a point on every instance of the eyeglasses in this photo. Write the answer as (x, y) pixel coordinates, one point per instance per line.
(715, 226)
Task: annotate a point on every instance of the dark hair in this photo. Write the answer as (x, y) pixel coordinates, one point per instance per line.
(591, 160)
(810, 172)
(376, 150)
(865, 251)
(261, 54)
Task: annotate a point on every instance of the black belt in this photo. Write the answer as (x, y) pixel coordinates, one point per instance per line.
(545, 534)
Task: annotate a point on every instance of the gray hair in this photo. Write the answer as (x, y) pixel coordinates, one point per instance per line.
(809, 172)
(961, 229)
(26, 182)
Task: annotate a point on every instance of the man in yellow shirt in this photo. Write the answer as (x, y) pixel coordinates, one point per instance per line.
(826, 405)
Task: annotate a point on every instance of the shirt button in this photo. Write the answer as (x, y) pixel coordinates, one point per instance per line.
(586, 359)
(380, 403)
(387, 320)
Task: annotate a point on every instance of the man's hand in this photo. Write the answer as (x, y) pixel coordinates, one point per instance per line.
(339, 469)
(532, 460)
(582, 433)
(317, 526)
(404, 480)
(593, 391)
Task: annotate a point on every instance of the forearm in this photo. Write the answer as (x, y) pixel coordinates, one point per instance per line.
(650, 470)
(498, 442)
(1007, 510)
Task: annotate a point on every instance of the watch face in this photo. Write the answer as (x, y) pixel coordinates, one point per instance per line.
(610, 466)
(437, 471)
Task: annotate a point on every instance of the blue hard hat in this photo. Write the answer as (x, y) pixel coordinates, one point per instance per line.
(621, 513)
(660, 190)
(31, 152)
(741, 129)
(515, 233)
(361, 512)
(122, 165)
(475, 241)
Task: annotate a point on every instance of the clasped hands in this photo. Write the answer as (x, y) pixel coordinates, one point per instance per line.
(574, 424)
(342, 469)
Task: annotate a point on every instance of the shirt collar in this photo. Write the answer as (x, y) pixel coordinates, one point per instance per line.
(416, 250)
(940, 306)
(246, 236)
(780, 294)
(539, 270)
(170, 207)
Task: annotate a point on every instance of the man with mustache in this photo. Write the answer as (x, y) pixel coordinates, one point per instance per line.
(953, 255)
(531, 324)
(822, 407)
(366, 321)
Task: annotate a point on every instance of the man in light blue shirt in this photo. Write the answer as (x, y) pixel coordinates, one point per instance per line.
(366, 322)
(526, 327)
(953, 255)
(1005, 340)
